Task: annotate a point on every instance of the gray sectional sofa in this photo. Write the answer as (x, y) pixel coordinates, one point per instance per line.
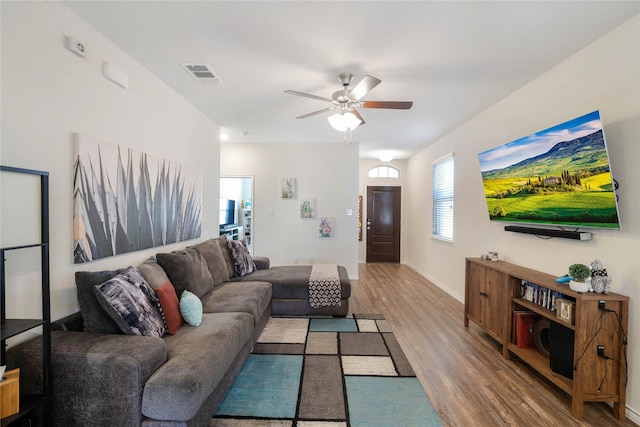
(104, 377)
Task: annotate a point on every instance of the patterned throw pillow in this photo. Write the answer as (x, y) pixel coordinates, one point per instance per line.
(241, 257)
(131, 303)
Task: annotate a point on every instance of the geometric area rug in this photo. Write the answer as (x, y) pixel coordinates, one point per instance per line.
(326, 372)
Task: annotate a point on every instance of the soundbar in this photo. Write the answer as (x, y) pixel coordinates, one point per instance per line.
(576, 235)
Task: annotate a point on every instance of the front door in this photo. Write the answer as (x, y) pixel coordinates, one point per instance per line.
(383, 224)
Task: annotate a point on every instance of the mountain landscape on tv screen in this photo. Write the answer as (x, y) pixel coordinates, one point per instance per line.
(570, 184)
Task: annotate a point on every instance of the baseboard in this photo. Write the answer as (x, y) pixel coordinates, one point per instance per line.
(437, 283)
(632, 415)
(354, 276)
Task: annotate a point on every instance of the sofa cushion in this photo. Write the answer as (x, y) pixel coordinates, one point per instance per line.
(224, 249)
(131, 302)
(198, 360)
(94, 317)
(241, 257)
(262, 262)
(210, 251)
(153, 273)
(246, 297)
(191, 308)
(187, 270)
(170, 306)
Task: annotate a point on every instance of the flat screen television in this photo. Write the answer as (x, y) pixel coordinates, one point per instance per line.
(227, 212)
(559, 176)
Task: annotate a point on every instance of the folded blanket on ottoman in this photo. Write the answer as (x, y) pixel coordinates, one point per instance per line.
(324, 286)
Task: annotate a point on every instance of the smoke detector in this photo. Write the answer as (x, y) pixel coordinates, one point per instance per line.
(202, 73)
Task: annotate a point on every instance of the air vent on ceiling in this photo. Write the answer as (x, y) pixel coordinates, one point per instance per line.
(202, 73)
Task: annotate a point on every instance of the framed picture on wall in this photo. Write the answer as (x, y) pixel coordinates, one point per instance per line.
(307, 208)
(325, 227)
(287, 188)
(123, 200)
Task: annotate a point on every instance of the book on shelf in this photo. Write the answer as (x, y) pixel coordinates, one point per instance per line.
(522, 328)
(540, 295)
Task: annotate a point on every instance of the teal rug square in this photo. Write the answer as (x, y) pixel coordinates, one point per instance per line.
(389, 401)
(333, 325)
(267, 386)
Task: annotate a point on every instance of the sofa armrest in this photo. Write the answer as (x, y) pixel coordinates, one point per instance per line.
(98, 379)
(262, 262)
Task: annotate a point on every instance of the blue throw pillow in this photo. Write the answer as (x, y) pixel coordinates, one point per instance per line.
(191, 308)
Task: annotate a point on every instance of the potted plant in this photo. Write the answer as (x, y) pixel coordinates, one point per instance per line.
(579, 274)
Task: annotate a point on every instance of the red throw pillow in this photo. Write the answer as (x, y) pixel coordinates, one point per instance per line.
(171, 307)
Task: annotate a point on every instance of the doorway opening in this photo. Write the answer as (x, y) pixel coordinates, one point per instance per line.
(236, 208)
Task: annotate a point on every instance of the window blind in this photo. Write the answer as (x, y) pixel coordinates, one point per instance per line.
(443, 198)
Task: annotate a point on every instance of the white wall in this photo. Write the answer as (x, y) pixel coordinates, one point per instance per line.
(605, 76)
(326, 172)
(48, 93)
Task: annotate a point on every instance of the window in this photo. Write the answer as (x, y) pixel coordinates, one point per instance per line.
(443, 198)
(384, 172)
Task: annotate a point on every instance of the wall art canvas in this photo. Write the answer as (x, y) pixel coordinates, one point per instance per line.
(325, 227)
(125, 200)
(308, 208)
(288, 188)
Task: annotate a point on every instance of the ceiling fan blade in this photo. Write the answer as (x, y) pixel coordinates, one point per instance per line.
(395, 105)
(308, 95)
(355, 113)
(324, 110)
(363, 87)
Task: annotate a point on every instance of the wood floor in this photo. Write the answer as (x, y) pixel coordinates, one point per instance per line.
(462, 370)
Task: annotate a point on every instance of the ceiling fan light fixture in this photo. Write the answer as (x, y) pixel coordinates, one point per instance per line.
(343, 121)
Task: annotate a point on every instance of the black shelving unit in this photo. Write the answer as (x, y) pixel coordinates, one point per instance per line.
(30, 405)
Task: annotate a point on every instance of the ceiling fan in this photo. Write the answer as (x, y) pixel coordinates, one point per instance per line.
(347, 100)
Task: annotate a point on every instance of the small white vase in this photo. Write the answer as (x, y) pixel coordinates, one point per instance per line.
(579, 286)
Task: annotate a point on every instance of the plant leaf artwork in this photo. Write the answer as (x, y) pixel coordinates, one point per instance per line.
(125, 200)
(288, 188)
(308, 208)
(325, 227)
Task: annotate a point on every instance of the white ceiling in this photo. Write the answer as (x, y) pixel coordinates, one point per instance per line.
(452, 59)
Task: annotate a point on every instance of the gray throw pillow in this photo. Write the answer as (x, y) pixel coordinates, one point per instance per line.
(153, 274)
(187, 271)
(240, 254)
(210, 251)
(131, 302)
(224, 248)
(94, 317)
